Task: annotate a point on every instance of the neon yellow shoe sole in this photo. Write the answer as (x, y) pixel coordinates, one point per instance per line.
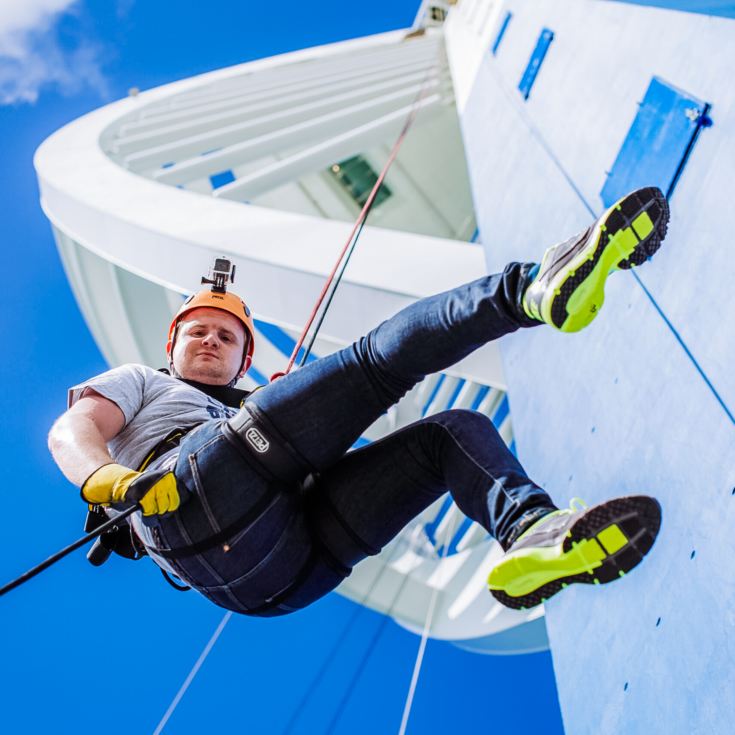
(569, 289)
(601, 545)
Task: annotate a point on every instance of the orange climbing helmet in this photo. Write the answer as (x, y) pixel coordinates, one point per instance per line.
(217, 298)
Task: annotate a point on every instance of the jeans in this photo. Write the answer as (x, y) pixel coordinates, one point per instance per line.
(301, 542)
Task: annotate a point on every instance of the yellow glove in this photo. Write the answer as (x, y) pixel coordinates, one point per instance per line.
(112, 483)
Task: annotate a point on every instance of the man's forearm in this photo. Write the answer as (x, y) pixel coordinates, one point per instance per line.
(78, 444)
(78, 447)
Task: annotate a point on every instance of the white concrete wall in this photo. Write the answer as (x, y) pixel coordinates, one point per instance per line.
(642, 401)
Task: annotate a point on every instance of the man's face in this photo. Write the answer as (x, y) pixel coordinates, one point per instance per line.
(209, 346)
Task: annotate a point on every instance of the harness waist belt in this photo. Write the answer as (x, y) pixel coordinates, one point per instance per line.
(260, 443)
(254, 436)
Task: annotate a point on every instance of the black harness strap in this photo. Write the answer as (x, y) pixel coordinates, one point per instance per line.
(272, 456)
(263, 448)
(166, 445)
(257, 439)
(232, 397)
(228, 532)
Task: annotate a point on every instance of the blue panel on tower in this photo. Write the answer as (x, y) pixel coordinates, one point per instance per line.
(725, 8)
(501, 32)
(221, 179)
(534, 63)
(658, 143)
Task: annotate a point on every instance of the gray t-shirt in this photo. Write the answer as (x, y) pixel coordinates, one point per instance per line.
(154, 404)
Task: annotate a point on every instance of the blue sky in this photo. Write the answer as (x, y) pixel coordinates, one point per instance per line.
(88, 649)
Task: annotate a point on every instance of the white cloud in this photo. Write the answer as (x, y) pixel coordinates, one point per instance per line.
(31, 56)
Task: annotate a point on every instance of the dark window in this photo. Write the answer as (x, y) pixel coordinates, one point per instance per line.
(358, 178)
(501, 32)
(534, 63)
(658, 143)
(437, 14)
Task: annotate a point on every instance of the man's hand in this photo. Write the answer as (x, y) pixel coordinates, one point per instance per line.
(112, 483)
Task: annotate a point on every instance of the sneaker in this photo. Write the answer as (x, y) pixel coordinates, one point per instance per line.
(567, 291)
(590, 545)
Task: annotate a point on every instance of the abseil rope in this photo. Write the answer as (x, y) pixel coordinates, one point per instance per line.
(372, 646)
(68, 549)
(197, 665)
(329, 658)
(425, 633)
(332, 283)
(370, 649)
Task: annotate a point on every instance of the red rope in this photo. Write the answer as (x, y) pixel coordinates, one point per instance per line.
(363, 214)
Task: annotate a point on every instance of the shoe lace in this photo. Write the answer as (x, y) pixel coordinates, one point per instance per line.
(575, 505)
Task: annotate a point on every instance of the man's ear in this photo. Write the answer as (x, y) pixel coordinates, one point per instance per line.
(248, 362)
(248, 358)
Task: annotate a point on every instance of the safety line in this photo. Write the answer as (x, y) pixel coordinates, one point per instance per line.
(451, 527)
(110, 524)
(536, 133)
(357, 612)
(360, 608)
(357, 228)
(333, 289)
(313, 686)
(372, 647)
(369, 651)
(198, 665)
(360, 668)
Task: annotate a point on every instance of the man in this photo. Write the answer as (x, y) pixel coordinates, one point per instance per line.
(263, 510)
